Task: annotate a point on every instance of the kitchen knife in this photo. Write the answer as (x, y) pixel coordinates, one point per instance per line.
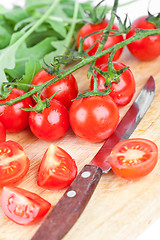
(74, 200)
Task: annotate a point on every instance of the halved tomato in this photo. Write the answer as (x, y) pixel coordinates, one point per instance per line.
(57, 169)
(22, 206)
(14, 163)
(133, 158)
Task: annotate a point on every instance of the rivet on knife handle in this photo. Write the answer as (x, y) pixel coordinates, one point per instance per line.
(70, 206)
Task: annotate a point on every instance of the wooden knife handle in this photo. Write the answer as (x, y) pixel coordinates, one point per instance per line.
(70, 206)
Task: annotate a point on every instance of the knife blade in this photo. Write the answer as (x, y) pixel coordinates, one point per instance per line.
(71, 205)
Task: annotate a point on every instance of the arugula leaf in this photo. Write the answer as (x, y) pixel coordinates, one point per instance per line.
(16, 15)
(41, 30)
(31, 68)
(58, 27)
(7, 55)
(30, 4)
(5, 36)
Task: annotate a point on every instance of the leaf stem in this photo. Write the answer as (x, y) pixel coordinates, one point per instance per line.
(71, 31)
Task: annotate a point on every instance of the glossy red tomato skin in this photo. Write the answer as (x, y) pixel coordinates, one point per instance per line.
(50, 124)
(2, 133)
(94, 118)
(143, 160)
(145, 49)
(13, 117)
(23, 207)
(89, 42)
(123, 91)
(57, 169)
(67, 87)
(14, 163)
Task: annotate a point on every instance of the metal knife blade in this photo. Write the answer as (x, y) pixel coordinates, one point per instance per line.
(71, 205)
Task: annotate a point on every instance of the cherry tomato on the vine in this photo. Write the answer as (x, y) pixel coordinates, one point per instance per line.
(94, 118)
(13, 117)
(67, 87)
(50, 124)
(57, 169)
(133, 158)
(14, 163)
(147, 48)
(2, 133)
(93, 40)
(123, 91)
(23, 207)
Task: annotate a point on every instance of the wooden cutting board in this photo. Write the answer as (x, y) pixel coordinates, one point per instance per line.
(119, 209)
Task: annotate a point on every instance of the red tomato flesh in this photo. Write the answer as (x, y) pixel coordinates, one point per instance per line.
(2, 133)
(67, 87)
(50, 124)
(94, 118)
(57, 169)
(22, 206)
(147, 48)
(14, 163)
(133, 158)
(13, 117)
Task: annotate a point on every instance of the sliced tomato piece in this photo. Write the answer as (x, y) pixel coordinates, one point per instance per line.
(14, 163)
(57, 169)
(22, 206)
(133, 158)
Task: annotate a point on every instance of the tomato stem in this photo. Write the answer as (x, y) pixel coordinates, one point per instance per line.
(140, 33)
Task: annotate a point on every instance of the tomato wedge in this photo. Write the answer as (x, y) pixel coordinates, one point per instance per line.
(22, 206)
(133, 158)
(14, 163)
(57, 169)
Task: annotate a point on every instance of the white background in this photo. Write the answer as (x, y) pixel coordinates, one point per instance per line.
(134, 10)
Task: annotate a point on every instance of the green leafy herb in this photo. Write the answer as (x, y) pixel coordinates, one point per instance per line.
(43, 28)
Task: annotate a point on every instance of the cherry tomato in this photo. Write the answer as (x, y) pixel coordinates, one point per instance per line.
(133, 158)
(22, 206)
(57, 169)
(50, 124)
(90, 41)
(94, 118)
(13, 117)
(123, 91)
(2, 133)
(67, 87)
(146, 48)
(14, 164)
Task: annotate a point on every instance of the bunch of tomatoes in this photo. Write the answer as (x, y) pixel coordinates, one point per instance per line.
(92, 118)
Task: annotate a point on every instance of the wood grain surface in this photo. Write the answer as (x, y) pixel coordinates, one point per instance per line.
(119, 209)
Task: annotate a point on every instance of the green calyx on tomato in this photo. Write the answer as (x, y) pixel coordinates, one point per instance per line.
(112, 75)
(98, 13)
(122, 91)
(154, 19)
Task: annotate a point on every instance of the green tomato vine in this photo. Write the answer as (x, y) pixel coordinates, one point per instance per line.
(84, 59)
